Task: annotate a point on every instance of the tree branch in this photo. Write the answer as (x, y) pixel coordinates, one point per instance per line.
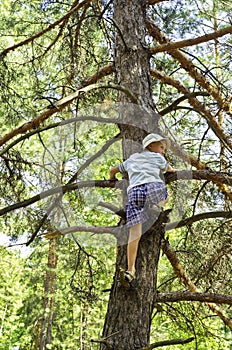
(100, 73)
(217, 129)
(112, 230)
(50, 27)
(168, 342)
(154, 2)
(198, 217)
(116, 231)
(58, 190)
(190, 42)
(71, 180)
(194, 296)
(60, 105)
(181, 99)
(61, 123)
(104, 340)
(189, 67)
(215, 177)
(185, 279)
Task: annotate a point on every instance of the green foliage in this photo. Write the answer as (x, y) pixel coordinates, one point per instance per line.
(50, 67)
(12, 292)
(82, 275)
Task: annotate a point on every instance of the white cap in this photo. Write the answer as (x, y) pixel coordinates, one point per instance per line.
(152, 138)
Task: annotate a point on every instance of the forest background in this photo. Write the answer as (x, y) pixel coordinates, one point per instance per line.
(65, 94)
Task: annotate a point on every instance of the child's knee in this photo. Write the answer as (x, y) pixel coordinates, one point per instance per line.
(135, 232)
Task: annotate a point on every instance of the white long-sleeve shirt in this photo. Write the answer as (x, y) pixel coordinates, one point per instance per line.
(144, 167)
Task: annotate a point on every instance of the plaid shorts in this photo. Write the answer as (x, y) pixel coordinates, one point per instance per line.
(141, 198)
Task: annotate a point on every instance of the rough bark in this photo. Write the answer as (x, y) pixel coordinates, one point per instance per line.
(129, 312)
(128, 319)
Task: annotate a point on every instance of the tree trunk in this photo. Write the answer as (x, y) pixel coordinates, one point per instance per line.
(132, 69)
(128, 319)
(49, 296)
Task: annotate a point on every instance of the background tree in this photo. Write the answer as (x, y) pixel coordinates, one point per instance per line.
(77, 78)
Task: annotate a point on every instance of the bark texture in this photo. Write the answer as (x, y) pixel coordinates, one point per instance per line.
(132, 70)
(128, 319)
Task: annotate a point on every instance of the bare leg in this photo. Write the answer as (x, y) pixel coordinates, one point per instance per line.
(160, 204)
(132, 247)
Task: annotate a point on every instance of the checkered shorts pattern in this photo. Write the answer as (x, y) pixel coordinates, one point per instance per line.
(142, 197)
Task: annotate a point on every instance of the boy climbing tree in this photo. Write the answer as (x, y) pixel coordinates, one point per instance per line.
(146, 192)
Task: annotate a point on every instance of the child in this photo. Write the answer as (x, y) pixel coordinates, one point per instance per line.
(146, 190)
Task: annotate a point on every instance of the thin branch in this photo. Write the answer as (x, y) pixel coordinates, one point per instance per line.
(189, 67)
(95, 156)
(181, 99)
(173, 297)
(185, 279)
(154, 2)
(167, 343)
(50, 27)
(118, 211)
(112, 230)
(60, 105)
(71, 180)
(104, 340)
(198, 217)
(104, 10)
(61, 123)
(190, 42)
(217, 129)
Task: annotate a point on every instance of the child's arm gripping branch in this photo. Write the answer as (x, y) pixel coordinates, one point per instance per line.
(113, 172)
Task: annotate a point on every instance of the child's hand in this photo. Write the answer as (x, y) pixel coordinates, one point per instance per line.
(113, 172)
(170, 169)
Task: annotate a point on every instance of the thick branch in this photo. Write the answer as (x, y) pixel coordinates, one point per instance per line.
(190, 42)
(100, 73)
(191, 296)
(117, 231)
(58, 190)
(170, 177)
(216, 177)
